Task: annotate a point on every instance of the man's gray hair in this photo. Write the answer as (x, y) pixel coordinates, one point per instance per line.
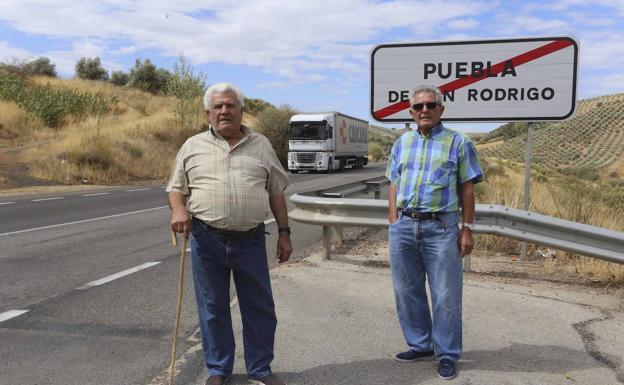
(429, 89)
(220, 88)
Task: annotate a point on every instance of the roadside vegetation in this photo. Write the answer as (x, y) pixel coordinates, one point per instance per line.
(127, 127)
(589, 146)
(117, 129)
(558, 195)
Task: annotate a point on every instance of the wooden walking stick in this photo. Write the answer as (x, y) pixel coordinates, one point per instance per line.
(174, 240)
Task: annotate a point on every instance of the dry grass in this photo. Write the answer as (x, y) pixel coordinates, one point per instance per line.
(15, 126)
(110, 151)
(558, 196)
(136, 141)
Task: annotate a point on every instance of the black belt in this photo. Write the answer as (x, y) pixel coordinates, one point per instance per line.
(228, 233)
(417, 216)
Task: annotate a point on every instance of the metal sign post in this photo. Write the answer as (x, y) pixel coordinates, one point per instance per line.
(527, 179)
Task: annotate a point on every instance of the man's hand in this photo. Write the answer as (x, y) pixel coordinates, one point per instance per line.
(181, 221)
(466, 243)
(284, 248)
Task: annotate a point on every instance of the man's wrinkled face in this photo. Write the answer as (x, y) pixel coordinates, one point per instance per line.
(426, 118)
(225, 114)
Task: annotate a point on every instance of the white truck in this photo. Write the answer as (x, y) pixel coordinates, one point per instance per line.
(326, 141)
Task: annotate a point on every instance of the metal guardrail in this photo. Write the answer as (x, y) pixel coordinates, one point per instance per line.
(356, 188)
(535, 228)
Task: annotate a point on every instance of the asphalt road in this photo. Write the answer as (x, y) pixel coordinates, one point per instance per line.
(88, 283)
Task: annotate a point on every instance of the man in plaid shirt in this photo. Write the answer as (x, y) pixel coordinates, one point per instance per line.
(223, 183)
(432, 172)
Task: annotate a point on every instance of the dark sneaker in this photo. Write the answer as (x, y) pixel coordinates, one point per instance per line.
(271, 379)
(217, 380)
(446, 369)
(412, 355)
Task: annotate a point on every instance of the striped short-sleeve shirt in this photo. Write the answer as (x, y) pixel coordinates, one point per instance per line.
(228, 188)
(428, 170)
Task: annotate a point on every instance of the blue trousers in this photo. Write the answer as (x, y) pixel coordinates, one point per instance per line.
(428, 250)
(215, 257)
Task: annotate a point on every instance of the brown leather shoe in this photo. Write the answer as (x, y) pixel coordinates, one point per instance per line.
(271, 379)
(217, 380)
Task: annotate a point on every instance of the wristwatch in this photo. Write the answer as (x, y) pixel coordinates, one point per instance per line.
(283, 230)
(469, 226)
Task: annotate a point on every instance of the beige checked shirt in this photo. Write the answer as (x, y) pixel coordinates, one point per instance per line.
(228, 188)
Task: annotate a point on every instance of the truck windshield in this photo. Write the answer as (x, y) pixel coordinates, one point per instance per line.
(307, 130)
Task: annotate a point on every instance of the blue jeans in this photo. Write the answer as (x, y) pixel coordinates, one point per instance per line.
(428, 249)
(215, 257)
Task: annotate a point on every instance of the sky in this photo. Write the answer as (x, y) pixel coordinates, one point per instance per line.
(312, 55)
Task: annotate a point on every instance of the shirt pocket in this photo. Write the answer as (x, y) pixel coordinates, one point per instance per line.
(254, 169)
(440, 177)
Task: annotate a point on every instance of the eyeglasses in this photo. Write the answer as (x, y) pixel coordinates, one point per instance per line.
(420, 106)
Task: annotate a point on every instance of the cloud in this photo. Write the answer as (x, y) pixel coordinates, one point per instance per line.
(9, 53)
(463, 23)
(124, 50)
(283, 37)
(599, 51)
(297, 42)
(602, 85)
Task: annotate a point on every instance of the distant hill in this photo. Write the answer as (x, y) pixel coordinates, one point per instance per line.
(590, 145)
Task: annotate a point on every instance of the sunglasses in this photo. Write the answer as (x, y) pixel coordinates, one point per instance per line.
(421, 106)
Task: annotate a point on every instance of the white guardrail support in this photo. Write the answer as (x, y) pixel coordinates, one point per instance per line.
(517, 224)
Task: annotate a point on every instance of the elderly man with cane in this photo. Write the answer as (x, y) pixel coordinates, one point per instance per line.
(222, 184)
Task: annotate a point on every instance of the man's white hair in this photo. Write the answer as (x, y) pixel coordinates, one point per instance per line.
(429, 89)
(220, 88)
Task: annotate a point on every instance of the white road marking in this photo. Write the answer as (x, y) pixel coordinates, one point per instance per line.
(83, 221)
(7, 315)
(47, 199)
(118, 275)
(6, 203)
(138, 189)
(95, 194)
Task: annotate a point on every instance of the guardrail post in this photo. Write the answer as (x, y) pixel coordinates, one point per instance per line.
(338, 230)
(467, 264)
(327, 241)
(375, 186)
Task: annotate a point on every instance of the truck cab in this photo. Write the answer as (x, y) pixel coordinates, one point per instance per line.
(324, 142)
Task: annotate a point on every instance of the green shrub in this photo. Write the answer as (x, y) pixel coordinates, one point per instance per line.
(10, 86)
(274, 123)
(188, 89)
(52, 105)
(146, 77)
(119, 78)
(91, 69)
(375, 151)
(42, 67)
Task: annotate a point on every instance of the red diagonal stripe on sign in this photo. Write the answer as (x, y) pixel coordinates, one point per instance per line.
(496, 69)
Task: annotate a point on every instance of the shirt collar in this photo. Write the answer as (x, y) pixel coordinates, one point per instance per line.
(244, 128)
(435, 130)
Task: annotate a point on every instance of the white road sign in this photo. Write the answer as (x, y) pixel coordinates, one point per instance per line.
(529, 79)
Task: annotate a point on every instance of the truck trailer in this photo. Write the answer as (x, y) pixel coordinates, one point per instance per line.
(327, 141)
